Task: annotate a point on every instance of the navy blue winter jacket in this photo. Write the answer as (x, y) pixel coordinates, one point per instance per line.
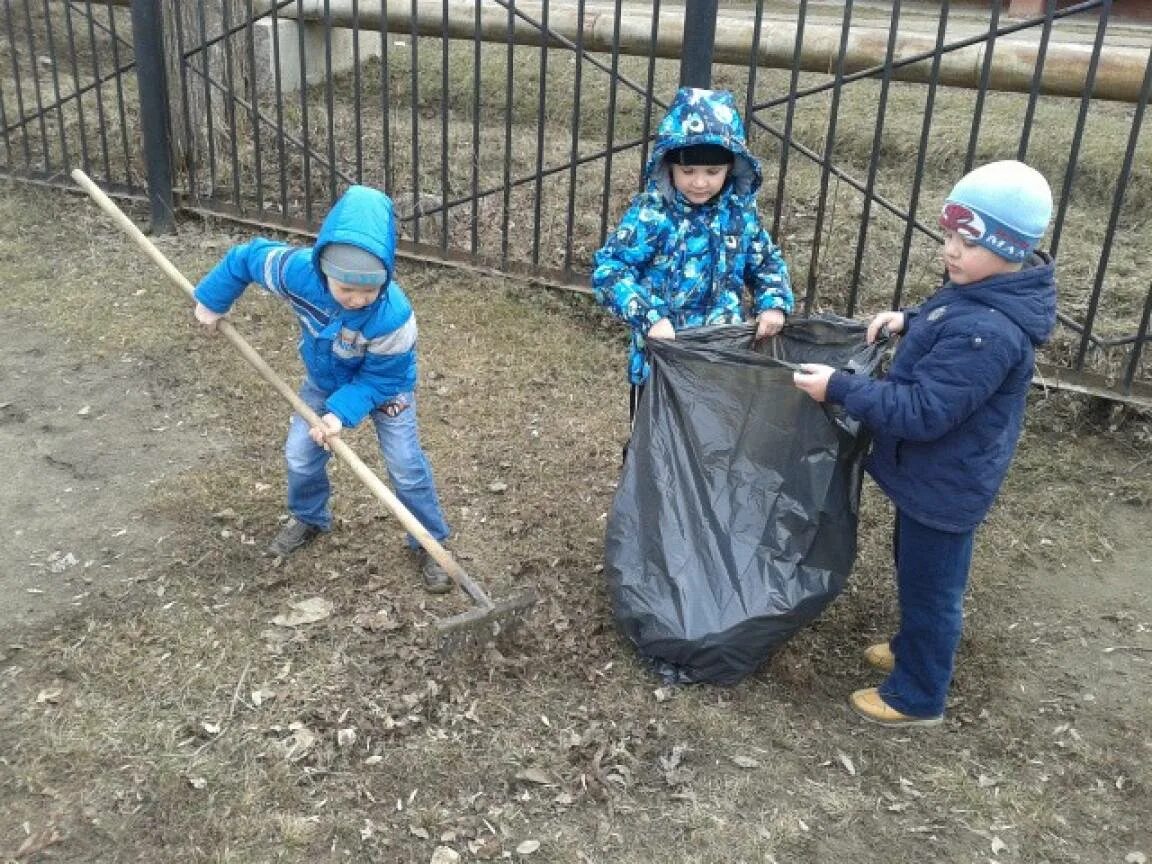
(362, 357)
(946, 418)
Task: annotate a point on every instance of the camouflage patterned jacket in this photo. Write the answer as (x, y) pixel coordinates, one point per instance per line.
(691, 264)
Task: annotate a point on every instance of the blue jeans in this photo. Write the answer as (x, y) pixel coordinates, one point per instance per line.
(931, 577)
(399, 438)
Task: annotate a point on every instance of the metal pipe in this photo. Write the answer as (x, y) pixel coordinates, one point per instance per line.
(1065, 66)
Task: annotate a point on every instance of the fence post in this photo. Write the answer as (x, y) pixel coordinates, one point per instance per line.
(148, 43)
(697, 43)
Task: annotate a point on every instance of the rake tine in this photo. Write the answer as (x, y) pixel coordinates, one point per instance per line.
(483, 623)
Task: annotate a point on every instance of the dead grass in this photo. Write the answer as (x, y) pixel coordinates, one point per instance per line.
(172, 721)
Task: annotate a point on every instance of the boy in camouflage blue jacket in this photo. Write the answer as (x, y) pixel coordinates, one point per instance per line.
(692, 242)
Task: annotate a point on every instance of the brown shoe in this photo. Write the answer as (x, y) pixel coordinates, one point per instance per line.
(436, 578)
(870, 705)
(880, 656)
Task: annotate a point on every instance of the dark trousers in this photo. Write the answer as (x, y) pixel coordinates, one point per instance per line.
(633, 401)
(931, 577)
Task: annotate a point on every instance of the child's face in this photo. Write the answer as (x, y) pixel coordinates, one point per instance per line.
(699, 183)
(352, 296)
(967, 261)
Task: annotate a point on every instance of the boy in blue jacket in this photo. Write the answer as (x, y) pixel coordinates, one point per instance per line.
(946, 419)
(692, 243)
(358, 345)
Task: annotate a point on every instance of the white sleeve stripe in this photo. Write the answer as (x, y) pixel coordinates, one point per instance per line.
(399, 341)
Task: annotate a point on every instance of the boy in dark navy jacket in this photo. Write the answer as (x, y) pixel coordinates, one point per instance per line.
(946, 419)
(358, 345)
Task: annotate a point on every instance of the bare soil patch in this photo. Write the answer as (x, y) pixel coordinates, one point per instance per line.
(162, 716)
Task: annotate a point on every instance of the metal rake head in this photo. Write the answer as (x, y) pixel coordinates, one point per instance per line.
(483, 624)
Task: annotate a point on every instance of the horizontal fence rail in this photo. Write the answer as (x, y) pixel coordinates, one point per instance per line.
(512, 134)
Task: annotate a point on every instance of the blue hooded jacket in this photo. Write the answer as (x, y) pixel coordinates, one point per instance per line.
(691, 264)
(946, 419)
(363, 357)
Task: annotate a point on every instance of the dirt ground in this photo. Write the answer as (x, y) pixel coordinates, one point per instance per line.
(151, 710)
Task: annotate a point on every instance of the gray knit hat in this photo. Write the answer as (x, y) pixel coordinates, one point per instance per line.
(353, 265)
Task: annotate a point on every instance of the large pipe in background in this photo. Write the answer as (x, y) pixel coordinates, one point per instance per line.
(1118, 77)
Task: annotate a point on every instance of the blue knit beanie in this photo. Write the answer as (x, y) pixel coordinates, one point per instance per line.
(1004, 206)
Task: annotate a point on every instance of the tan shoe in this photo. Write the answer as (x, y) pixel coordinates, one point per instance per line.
(870, 705)
(880, 656)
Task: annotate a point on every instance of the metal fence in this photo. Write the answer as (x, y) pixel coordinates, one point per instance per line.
(511, 133)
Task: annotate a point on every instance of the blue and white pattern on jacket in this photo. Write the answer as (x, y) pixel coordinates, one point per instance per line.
(691, 264)
(362, 357)
(946, 418)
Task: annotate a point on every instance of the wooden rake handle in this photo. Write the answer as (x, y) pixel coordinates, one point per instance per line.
(395, 506)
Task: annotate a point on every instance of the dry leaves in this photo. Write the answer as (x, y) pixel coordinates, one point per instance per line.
(304, 612)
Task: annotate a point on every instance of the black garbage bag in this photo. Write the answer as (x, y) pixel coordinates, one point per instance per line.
(734, 524)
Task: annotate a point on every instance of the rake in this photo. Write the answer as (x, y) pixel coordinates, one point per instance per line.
(487, 618)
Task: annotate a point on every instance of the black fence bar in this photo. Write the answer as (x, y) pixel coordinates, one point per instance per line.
(386, 105)
(329, 100)
(278, 98)
(509, 88)
(414, 53)
(789, 116)
(20, 126)
(982, 88)
(1114, 215)
(65, 158)
(753, 64)
(101, 119)
(1037, 76)
(230, 111)
(445, 107)
(122, 114)
(147, 37)
(253, 110)
(826, 162)
(357, 91)
(477, 111)
(85, 161)
(570, 216)
(698, 42)
(206, 72)
(1078, 137)
(921, 157)
(305, 129)
(46, 151)
(541, 135)
(873, 161)
(4, 128)
(648, 90)
(1139, 341)
(610, 131)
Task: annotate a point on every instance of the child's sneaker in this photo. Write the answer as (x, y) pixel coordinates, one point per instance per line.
(880, 656)
(870, 705)
(436, 578)
(293, 536)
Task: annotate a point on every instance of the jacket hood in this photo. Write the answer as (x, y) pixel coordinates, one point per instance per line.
(702, 117)
(361, 217)
(1027, 297)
